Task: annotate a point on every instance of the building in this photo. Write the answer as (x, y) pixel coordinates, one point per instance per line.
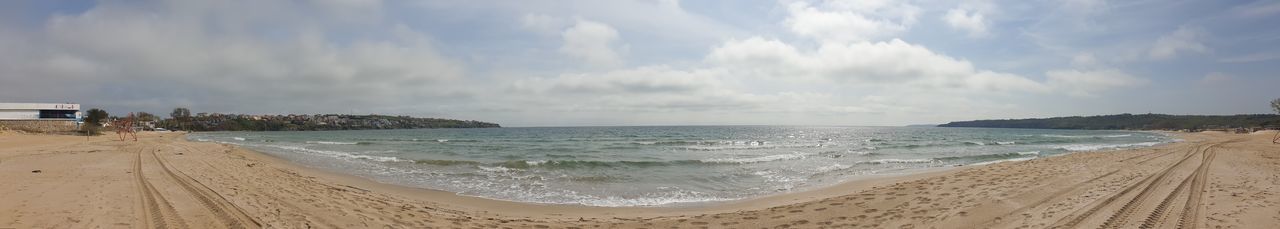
(40, 117)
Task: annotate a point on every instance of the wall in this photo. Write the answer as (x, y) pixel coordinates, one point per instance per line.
(6, 114)
(40, 126)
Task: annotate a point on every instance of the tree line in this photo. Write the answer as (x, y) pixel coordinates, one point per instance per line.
(181, 119)
(1132, 122)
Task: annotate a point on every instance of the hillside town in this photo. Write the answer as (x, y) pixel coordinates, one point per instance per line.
(294, 122)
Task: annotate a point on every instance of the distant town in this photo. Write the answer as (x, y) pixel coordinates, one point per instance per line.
(67, 118)
(293, 122)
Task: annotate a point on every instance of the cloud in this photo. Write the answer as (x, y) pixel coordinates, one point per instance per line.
(1183, 40)
(1084, 6)
(1216, 78)
(971, 22)
(1087, 83)
(1084, 60)
(648, 89)
(844, 22)
(593, 43)
(1254, 57)
(642, 80)
(542, 23)
(352, 10)
(892, 62)
(1257, 9)
(218, 58)
(663, 89)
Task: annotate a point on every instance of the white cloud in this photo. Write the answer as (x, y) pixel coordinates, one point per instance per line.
(836, 22)
(648, 89)
(219, 61)
(642, 80)
(1086, 83)
(971, 22)
(542, 23)
(1216, 78)
(1084, 60)
(1183, 40)
(891, 62)
(593, 43)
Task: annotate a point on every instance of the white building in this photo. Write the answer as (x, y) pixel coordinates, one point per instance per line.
(40, 111)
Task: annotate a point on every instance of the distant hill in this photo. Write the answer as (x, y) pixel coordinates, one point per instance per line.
(1131, 122)
(922, 125)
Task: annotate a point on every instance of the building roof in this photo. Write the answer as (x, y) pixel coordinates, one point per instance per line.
(39, 106)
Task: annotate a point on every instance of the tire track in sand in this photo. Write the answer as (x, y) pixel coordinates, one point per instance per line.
(1189, 189)
(223, 210)
(156, 211)
(1191, 210)
(1071, 221)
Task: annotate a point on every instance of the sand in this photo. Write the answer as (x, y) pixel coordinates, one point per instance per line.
(1211, 180)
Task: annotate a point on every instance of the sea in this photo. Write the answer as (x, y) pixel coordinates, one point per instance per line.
(659, 166)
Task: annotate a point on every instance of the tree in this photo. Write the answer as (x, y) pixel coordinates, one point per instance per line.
(93, 119)
(1275, 105)
(95, 116)
(146, 117)
(181, 115)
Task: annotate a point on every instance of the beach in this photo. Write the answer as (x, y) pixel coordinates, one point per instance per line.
(1208, 180)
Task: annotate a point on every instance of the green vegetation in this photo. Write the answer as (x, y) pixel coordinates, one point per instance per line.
(1132, 122)
(1275, 105)
(93, 120)
(180, 117)
(146, 117)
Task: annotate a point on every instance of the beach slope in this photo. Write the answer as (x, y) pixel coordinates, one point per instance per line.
(1210, 180)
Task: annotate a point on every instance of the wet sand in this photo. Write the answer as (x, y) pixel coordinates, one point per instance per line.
(1211, 180)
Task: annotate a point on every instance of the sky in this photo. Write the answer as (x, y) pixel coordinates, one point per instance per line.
(648, 62)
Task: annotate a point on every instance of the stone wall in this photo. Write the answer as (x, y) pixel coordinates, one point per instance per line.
(39, 126)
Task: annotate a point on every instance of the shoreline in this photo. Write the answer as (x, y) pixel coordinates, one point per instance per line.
(552, 209)
(163, 179)
(853, 182)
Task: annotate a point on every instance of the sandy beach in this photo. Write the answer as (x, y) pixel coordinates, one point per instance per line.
(1210, 180)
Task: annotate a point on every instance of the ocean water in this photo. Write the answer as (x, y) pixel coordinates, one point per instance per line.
(658, 166)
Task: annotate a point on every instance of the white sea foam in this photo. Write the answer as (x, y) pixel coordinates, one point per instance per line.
(1087, 136)
(494, 168)
(1029, 153)
(1004, 143)
(901, 161)
(1005, 160)
(1092, 147)
(976, 143)
(238, 138)
(777, 157)
(332, 143)
(830, 168)
(338, 154)
(860, 152)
